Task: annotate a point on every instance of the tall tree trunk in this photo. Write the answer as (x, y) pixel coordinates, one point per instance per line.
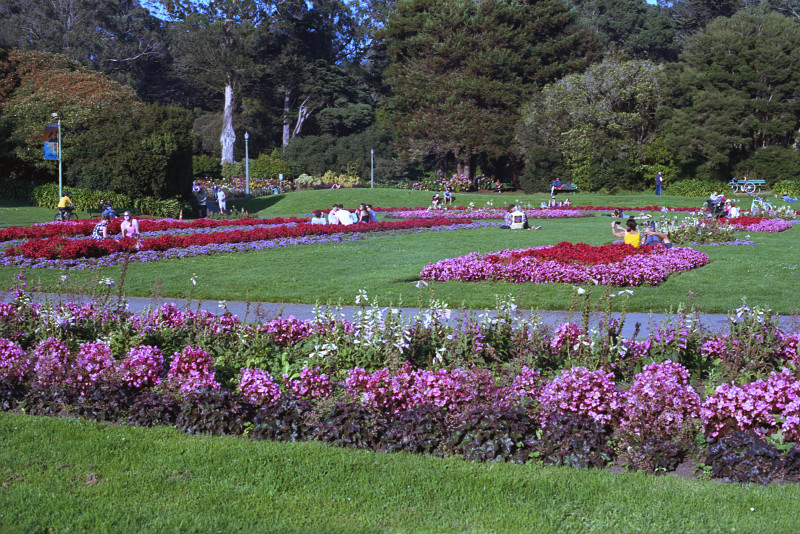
(287, 125)
(228, 136)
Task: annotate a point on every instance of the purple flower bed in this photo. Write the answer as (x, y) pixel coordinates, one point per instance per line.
(650, 269)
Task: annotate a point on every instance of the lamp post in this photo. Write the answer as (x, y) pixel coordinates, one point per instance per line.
(371, 168)
(246, 166)
(58, 118)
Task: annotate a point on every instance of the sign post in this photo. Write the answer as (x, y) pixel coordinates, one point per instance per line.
(246, 167)
(371, 168)
(52, 146)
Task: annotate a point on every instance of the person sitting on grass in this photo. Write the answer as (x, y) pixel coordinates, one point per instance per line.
(630, 235)
(654, 237)
(372, 216)
(436, 201)
(448, 196)
(100, 230)
(318, 218)
(567, 203)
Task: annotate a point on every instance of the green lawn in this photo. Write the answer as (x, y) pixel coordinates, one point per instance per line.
(388, 266)
(64, 475)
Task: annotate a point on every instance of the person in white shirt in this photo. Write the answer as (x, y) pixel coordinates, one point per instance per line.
(222, 200)
(332, 219)
(318, 218)
(344, 217)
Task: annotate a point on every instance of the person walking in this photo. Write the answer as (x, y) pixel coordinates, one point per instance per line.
(659, 183)
(222, 200)
(202, 199)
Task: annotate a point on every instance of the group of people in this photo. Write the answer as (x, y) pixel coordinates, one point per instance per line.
(128, 228)
(446, 198)
(217, 193)
(721, 207)
(553, 203)
(105, 208)
(631, 235)
(340, 216)
(516, 219)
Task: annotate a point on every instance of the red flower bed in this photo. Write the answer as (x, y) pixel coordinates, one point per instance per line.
(573, 253)
(85, 227)
(64, 248)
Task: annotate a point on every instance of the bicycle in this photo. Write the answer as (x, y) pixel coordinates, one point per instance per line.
(65, 215)
(744, 184)
(759, 205)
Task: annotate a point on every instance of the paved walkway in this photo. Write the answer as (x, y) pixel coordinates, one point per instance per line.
(261, 311)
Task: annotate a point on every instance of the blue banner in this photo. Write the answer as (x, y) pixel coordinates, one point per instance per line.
(51, 141)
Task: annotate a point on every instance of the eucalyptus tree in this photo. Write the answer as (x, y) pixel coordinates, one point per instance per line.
(217, 44)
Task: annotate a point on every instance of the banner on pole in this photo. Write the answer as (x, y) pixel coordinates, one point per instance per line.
(51, 141)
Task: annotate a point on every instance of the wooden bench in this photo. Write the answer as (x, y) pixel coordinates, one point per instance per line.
(746, 185)
(566, 188)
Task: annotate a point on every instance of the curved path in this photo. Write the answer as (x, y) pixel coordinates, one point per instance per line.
(261, 311)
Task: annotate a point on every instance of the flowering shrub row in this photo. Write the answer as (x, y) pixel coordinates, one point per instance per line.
(63, 248)
(586, 265)
(660, 400)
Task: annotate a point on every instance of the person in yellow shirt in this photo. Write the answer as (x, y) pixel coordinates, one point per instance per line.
(630, 234)
(65, 205)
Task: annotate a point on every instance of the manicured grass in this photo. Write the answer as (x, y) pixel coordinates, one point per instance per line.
(64, 475)
(388, 266)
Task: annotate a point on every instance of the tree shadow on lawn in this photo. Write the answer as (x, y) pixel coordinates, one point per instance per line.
(254, 205)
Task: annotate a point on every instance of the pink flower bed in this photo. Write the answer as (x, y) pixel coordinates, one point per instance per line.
(760, 224)
(633, 270)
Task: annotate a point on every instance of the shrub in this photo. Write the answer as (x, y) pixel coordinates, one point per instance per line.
(744, 457)
(15, 365)
(10, 395)
(787, 188)
(287, 420)
(494, 434)
(312, 384)
(583, 393)
(213, 411)
(258, 387)
(305, 181)
(51, 358)
(94, 360)
(47, 400)
(354, 426)
(573, 440)
(142, 367)
(192, 369)
(105, 401)
(419, 430)
(151, 408)
(204, 166)
(693, 188)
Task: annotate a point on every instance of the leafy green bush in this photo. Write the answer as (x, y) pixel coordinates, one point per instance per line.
(344, 180)
(269, 167)
(206, 166)
(46, 196)
(773, 163)
(693, 188)
(233, 169)
(787, 188)
(305, 181)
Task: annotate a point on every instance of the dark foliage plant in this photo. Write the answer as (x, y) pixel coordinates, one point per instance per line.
(744, 457)
(354, 426)
(418, 430)
(213, 411)
(494, 434)
(288, 420)
(655, 454)
(105, 401)
(10, 395)
(52, 400)
(151, 408)
(569, 440)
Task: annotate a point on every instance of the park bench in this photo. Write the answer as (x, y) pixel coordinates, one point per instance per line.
(746, 185)
(566, 188)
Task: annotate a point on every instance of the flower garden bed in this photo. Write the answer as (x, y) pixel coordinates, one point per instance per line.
(158, 368)
(483, 214)
(62, 248)
(760, 224)
(616, 265)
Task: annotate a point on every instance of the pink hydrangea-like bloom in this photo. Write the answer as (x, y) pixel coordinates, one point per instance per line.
(258, 387)
(142, 367)
(582, 392)
(192, 369)
(93, 362)
(312, 384)
(566, 337)
(755, 407)
(660, 400)
(285, 331)
(15, 365)
(51, 366)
